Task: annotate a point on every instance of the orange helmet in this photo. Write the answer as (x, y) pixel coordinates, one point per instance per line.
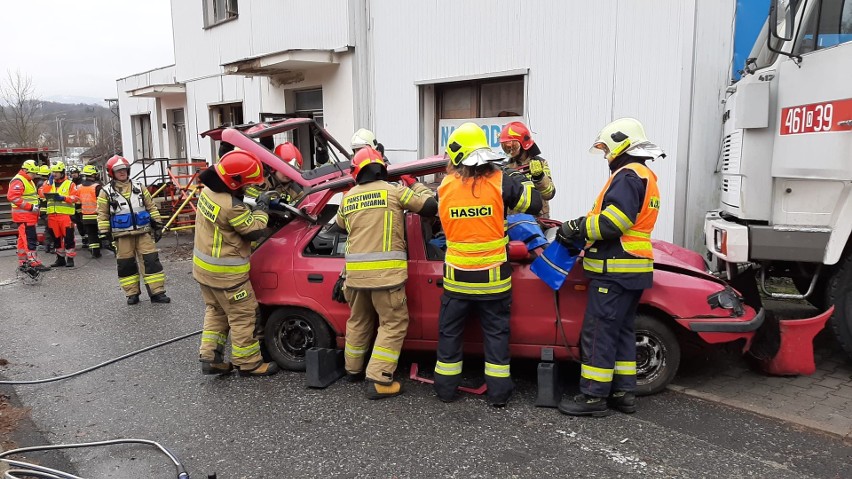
(364, 157)
(290, 154)
(519, 132)
(239, 168)
(116, 163)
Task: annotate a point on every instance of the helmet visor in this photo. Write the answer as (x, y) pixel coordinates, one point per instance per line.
(646, 149)
(481, 157)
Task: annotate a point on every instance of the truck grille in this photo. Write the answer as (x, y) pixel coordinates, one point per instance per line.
(732, 148)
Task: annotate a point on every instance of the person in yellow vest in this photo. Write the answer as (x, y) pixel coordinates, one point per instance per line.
(23, 195)
(88, 191)
(473, 201)
(373, 213)
(61, 196)
(619, 261)
(224, 230)
(127, 217)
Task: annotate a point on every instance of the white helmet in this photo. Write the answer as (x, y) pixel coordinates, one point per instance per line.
(363, 137)
(625, 135)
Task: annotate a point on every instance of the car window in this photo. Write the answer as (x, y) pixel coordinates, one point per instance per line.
(329, 240)
(435, 241)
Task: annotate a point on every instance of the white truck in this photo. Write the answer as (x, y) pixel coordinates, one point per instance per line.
(786, 163)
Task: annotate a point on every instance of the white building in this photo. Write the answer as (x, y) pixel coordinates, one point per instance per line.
(411, 70)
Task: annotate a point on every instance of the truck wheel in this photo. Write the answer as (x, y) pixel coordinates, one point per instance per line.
(290, 332)
(840, 295)
(657, 355)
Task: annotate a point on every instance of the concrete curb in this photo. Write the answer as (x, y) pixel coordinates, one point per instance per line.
(843, 433)
(3, 466)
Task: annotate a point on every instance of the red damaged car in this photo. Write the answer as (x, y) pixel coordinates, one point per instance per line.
(293, 273)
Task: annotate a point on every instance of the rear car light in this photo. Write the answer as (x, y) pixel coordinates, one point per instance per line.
(720, 241)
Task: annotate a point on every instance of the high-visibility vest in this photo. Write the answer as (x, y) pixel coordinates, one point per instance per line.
(56, 206)
(636, 241)
(30, 195)
(127, 213)
(88, 200)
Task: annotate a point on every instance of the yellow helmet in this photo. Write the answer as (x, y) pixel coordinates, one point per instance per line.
(30, 167)
(468, 145)
(90, 170)
(625, 135)
(44, 170)
(58, 167)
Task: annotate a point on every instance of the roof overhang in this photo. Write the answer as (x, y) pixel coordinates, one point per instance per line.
(159, 91)
(281, 63)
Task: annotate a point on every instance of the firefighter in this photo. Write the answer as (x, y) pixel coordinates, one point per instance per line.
(77, 179)
(619, 261)
(525, 156)
(288, 191)
(474, 198)
(128, 217)
(44, 172)
(364, 137)
(373, 214)
(23, 195)
(88, 192)
(61, 196)
(224, 230)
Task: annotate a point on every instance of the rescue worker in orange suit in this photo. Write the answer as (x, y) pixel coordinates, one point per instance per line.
(88, 192)
(127, 217)
(473, 200)
(23, 195)
(61, 196)
(224, 230)
(619, 261)
(44, 172)
(288, 191)
(373, 213)
(525, 156)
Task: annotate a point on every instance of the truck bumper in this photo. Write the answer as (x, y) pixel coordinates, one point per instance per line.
(725, 239)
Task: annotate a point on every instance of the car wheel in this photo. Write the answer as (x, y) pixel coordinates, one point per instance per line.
(657, 355)
(840, 295)
(290, 332)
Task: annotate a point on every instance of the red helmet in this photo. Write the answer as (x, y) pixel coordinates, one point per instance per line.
(364, 157)
(116, 163)
(290, 154)
(239, 168)
(519, 132)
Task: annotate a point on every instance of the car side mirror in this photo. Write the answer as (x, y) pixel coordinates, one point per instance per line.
(518, 251)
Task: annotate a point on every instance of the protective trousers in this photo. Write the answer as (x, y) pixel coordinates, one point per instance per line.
(608, 339)
(27, 243)
(48, 237)
(127, 247)
(230, 310)
(494, 319)
(390, 307)
(63, 234)
(91, 234)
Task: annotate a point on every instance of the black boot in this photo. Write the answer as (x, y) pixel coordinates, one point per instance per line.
(60, 261)
(133, 299)
(160, 298)
(582, 405)
(355, 377)
(96, 253)
(69, 263)
(623, 401)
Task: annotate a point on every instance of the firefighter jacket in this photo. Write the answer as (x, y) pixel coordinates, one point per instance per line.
(618, 228)
(544, 186)
(65, 188)
(473, 215)
(24, 197)
(223, 236)
(126, 208)
(88, 192)
(373, 214)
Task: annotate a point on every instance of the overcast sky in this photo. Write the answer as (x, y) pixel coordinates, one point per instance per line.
(80, 47)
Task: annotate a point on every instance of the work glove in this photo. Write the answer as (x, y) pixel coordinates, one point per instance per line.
(408, 180)
(570, 234)
(337, 291)
(156, 231)
(34, 208)
(536, 170)
(106, 241)
(264, 199)
(59, 198)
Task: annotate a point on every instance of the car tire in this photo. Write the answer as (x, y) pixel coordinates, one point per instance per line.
(291, 331)
(657, 355)
(840, 295)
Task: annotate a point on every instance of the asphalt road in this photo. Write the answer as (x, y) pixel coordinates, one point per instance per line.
(275, 427)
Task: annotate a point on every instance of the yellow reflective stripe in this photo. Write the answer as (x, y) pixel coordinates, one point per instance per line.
(497, 370)
(601, 375)
(102, 200)
(260, 217)
(475, 260)
(548, 190)
(406, 197)
(245, 352)
(385, 354)
(217, 243)
(638, 234)
(128, 280)
(618, 218)
(154, 278)
(218, 268)
(354, 351)
(638, 265)
(492, 287)
(526, 198)
(478, 247)
(241, 218)
(387, 231)
(448, 369)
(374, 265)
(214, 337)
(625, 368)
(593, 227)
(636, 245)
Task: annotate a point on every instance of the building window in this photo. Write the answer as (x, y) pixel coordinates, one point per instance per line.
(227, 114)
(219, 11)
(481, 99)
(142, 136)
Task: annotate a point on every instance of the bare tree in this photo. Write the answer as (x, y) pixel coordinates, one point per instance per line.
(21, 120)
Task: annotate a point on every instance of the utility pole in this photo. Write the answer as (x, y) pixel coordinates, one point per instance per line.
(59, 134)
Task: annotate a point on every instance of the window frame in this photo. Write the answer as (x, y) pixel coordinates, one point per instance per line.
(231, 12)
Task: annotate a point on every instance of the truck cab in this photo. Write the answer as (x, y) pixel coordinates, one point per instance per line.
(786, 159)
